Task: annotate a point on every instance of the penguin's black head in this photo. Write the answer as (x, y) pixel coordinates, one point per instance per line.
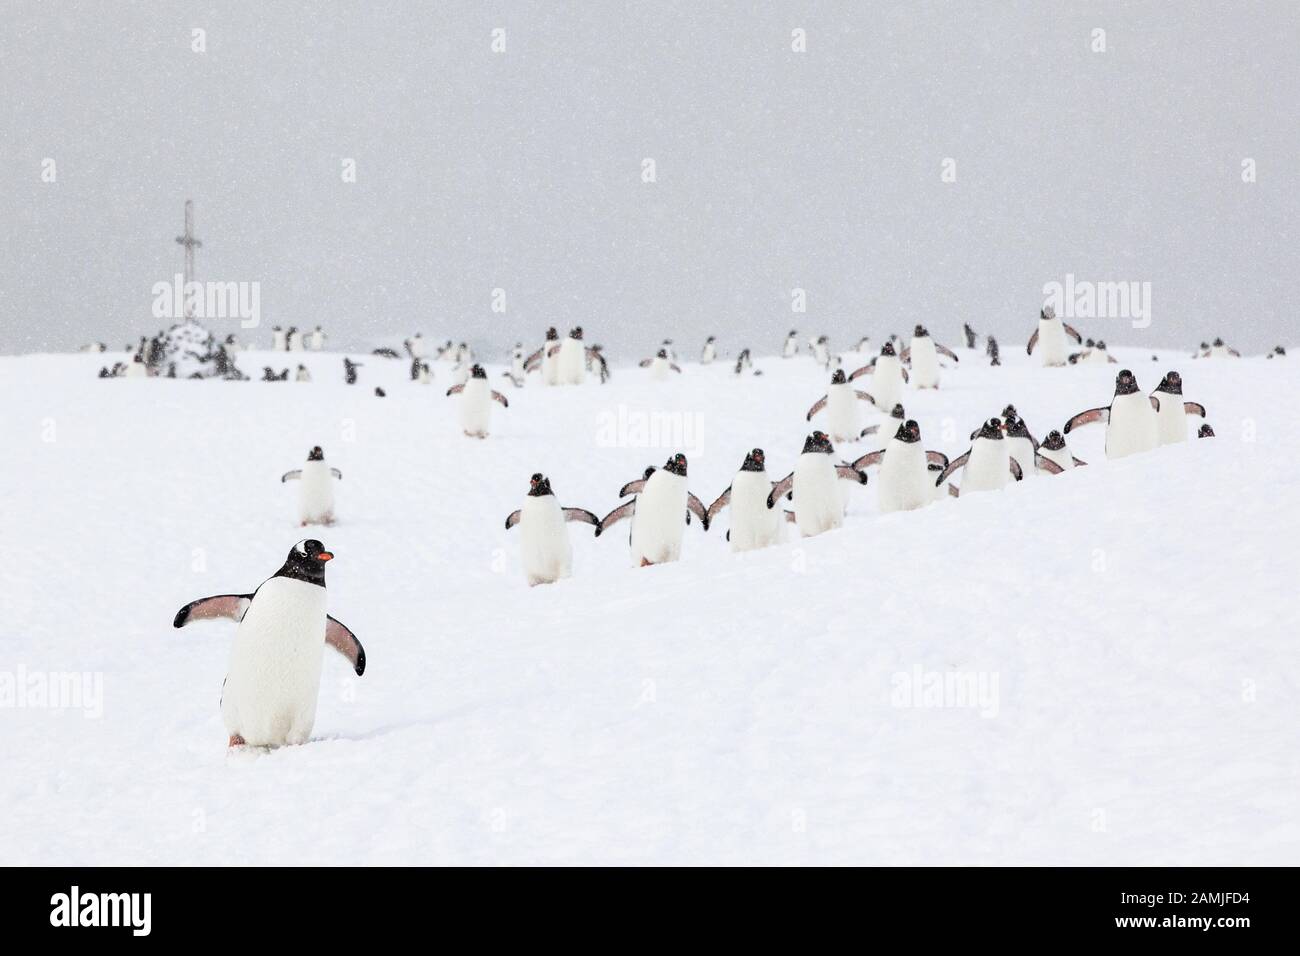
(1205, 432)
(1279, 351)
(991, 429)
(839, 378)
(908, 432)
(306, 562)
(818, 442)
(316, 454)
(1088, 343)
(888, 349)
(754, 461)
(1054, 441)
(709, 339)
(650, 470)
(1205, 345)
(1218, 343)
(551, 334)
(897, 412)
(1125, 383)
(1016, 428)
(1101, 345)
(477, 371)
(676, 465)
(1010, 412)
(662, 353)
(576, 333)
(793, 333)
(919, 332)
(1171, 383)
(1048, 312)
(539, 485)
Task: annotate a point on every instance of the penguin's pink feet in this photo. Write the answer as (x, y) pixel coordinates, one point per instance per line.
(646, 563)
(236, 741)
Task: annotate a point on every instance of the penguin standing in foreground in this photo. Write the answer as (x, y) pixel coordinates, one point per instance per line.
(269, 695)
(905, 482)
(812, 485)
(573, 358)
(1171, 410)
(987, 462)
(710, 351)
(660, 366)
(547, 358)
(476, 400)
(656, 512)
(923, 357)
(887, 377)
(791, 347)
(1049, 338)
(316, 493)
(1130, 419)
(1054, 457)
(753, 524)
(544, 549)
(841, 404)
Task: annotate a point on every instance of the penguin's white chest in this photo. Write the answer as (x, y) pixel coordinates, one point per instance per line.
(316, 494)
(925, 363)
(904, 482)
(818, 506)
(573, 366)
(709, 354)
(1061, 456)
(753, 523)
(1171, 419)
(659, 519)
(136, 370)
(1097, 356)
(1022, 450)
(842, 413)
(278, 341)
(1051, 342)
(416, 345)
(269, 697)
(988, 467)
(659, 368)
(887, 382)
(1132, 425)
(317, 341)
(475, 407)
(791, 346)
(545, 550)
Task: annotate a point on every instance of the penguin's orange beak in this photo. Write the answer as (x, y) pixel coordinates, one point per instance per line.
(325, 556)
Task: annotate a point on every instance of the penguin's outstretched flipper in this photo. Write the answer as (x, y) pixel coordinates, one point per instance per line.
(1015, 469)
(719, 503)
(336, 473)
(953, 492)
(455, 390)
(1047, 465)
(1087, 418)
(953, 465)
(644, 363)
(783, 487)
(849, 473)
(869, 430)
(817, 407)
(1077, 462)
(291, 475)
(869, 459)
(867, 369)
(632, 488)
(1194, 408)
(865, 396)
(625, 510)
(1155, 402)
(232, 606)
(695, 507)
(498, 397)
(790, 517)
(1071, 331)
(905, 378)
(944, 350)
(936, 460)
(581, 514)
(512, 519)
(1033, 340)
(345, 642)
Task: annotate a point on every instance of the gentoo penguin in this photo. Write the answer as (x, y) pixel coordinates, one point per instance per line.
(1049, 337)
(905, 481)
(986, 462)
(518, 373)
(887, 377)
(897, 413)
(294, 339)
(1094, 354)
(791, 344)
(969, 333)
(1171, 410)
(415, 346)
(863, 345)
(350, 370)
(136, 367)
(302, 375)
(1130, 419)
(316, 493)
(317, 339)
(1021, 444)
(476, 400)
(753, 524)
(279, 341)
(820, 348)
(1219, 350)
(1054, 457)
(656, 512)
(710, 351)
(667, 346)
(923, 358)
(1203, 351)
(1205, 431)
(445, 351)
(991, 350)
(818, 506)
(422, 372)
(841, 404)
(269, 695)
(547, 358)
(743, 362)
(545, 550)
(573, 359)
(1278, 352)
(660, 365)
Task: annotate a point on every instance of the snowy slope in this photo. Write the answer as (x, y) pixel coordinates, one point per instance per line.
(1133, 624)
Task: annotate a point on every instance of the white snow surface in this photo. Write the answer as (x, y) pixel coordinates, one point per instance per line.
(1139, 618)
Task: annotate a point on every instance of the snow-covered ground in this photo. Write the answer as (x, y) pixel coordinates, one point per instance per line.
(1131, 629)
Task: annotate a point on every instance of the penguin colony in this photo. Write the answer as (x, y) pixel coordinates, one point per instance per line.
(269, 695)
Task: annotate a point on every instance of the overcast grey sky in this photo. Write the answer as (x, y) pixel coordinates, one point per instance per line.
(776, 169)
